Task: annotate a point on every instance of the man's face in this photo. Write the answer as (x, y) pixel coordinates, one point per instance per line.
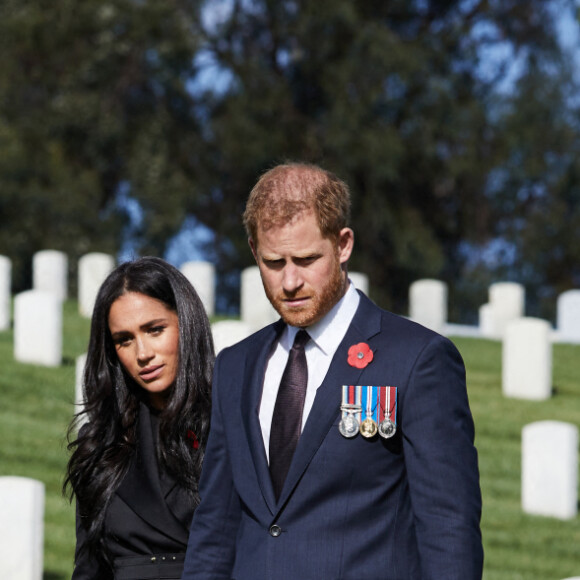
(301, 271)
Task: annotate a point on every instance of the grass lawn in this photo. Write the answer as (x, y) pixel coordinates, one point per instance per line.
(37, 404)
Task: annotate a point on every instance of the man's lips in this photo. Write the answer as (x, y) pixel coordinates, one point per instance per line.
(295, 302)
(151, 372)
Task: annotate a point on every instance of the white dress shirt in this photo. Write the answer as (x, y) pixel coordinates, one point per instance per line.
(325, 337)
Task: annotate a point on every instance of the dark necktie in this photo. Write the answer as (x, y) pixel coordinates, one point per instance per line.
(287, 417)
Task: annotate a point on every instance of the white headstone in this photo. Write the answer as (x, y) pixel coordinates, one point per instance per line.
(21, 528)
(507, 303)
(527, 359)
(486, 320)
(50, 272)
(428, 304)
(550, 469)
(5, 284)
(93, 269)
(202, 278)
(38, 328)
(255, 308)
(228, 332)
(568, 317)
(80, 363)
(360, 281)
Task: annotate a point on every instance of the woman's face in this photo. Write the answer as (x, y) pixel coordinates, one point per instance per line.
(146, 336)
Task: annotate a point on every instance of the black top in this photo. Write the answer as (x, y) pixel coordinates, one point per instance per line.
(147, 521)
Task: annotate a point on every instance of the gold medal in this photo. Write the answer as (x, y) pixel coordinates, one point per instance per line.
(368, 428)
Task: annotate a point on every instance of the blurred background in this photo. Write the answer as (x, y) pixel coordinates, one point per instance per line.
(139, 127)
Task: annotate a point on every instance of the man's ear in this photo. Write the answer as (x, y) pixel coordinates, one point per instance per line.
(345, 244)
(253, 248)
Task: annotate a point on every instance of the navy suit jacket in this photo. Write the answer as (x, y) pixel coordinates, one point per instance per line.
(403, 508)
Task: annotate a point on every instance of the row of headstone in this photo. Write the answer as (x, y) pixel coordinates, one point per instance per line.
(427, 298)
(21, 528)
(428, 306)
(506, 303)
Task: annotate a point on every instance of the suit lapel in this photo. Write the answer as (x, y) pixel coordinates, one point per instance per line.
(141, 488)
(326, 406)
(251, 398)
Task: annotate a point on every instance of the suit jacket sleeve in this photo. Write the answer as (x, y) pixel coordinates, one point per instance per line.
(441, 463)
(211, 547)
(86, 567)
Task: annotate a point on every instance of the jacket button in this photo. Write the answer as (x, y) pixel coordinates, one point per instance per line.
(275, 531)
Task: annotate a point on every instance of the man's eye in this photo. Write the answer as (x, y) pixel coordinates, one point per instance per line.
(307, 260)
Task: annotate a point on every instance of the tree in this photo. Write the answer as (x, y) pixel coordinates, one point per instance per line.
(93, 104)
(393, 97)
(181, 104)
(536, 190)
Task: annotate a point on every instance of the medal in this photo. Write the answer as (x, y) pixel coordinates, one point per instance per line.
(351, 408)
(348, 426)
(368, 428)
(387, 427)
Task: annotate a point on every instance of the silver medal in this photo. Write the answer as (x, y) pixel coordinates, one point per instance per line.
(348, 426)
(387, 428)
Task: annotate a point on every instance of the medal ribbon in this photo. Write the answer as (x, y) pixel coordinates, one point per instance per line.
(351, 398)
(378, 402)
(371, 412)
(387, 399)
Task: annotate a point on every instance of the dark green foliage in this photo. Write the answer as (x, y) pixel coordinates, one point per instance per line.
(93, 101)
(393, 97)
(446, 144)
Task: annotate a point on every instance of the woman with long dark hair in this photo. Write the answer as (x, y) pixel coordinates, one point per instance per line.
(136, 461)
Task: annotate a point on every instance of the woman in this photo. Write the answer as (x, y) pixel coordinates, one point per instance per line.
(136, 462)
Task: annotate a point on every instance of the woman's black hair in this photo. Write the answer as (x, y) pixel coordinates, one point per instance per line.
(102, 451)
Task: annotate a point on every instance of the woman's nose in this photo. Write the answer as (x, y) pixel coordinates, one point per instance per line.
(144, 350)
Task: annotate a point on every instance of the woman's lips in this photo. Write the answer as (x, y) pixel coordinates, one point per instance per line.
(150, 373)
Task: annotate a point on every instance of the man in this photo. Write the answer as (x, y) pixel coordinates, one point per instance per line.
(378, 476)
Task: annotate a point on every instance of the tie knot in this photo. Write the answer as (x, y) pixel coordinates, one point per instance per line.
(300, 340)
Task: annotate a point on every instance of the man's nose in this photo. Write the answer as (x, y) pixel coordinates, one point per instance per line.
(292, 278)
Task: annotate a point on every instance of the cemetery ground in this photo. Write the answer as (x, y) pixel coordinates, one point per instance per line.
(37, 403)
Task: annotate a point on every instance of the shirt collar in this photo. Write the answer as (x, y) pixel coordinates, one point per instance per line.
(328, 332)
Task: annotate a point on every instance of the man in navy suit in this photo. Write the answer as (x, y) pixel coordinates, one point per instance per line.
(383, 482)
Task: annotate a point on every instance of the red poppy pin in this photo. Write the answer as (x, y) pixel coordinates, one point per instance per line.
(194, 441)
(360, 355)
